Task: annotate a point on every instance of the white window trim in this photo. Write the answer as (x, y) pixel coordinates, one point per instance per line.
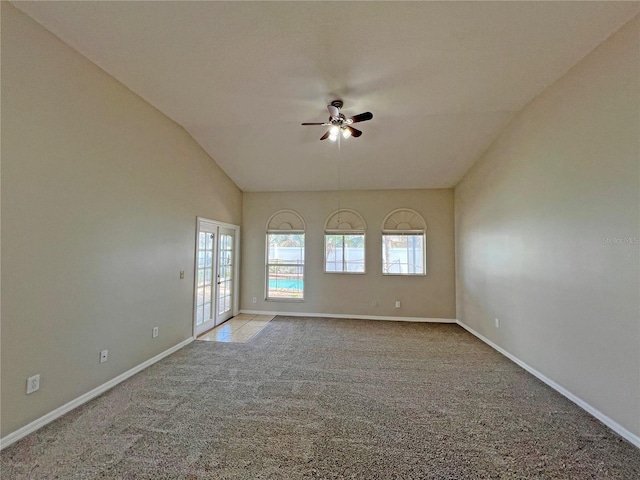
(348, 222)
(422, 233)
(405, 221)
(284, 222)
(345, 232)
(267, 265)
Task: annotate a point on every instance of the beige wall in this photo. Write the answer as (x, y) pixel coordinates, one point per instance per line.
(547, 227)
(100, 194)
(431, 296)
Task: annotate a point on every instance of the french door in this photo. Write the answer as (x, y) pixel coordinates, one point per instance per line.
(215, 275)
(226, 266)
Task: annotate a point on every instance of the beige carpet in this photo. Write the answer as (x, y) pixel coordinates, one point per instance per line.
(328, 399)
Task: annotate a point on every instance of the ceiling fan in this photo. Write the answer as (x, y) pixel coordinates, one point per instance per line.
(338, 123)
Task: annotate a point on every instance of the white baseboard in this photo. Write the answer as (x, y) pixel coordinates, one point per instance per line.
(358, 317)
(67, 407)
(612, 424)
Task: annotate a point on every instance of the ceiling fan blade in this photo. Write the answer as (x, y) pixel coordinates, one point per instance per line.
(307, 123)
(333, 111)
(362, 117)
(325, 136)
(354, 131)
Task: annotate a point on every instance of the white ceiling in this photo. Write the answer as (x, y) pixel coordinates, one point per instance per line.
(441, 78)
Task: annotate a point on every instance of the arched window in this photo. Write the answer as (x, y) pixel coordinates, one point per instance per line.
(344, 242)
(285, 256)
(404, 243)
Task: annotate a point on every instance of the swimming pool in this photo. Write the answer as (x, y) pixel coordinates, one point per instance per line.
(286, 283)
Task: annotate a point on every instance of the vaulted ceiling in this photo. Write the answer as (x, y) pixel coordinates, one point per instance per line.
(441, 78)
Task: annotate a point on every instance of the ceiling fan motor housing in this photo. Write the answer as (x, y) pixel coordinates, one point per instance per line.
(339, 120)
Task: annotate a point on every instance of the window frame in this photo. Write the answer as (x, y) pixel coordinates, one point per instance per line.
(397, 233)
(343, 233)
(298, 265)
(342, 222)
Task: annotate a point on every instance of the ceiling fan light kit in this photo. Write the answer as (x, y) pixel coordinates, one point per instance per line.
(339, 124)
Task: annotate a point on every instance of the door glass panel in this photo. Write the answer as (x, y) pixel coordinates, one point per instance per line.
(205, 294)
(225, 269)
(200, 296)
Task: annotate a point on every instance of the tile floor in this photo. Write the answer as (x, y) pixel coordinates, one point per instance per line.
(239, 329)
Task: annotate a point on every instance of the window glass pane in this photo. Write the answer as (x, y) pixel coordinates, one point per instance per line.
(200, 277)
(207, 276)
(333, 253)
(200, 317)
(285, 281)
(285, 248)
(353, 253)
(403, 254)
(200, 259)
(208, 258)
(207, 295)
(209, 244)
(201, 240)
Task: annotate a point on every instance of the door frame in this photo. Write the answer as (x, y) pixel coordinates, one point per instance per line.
(236, 268)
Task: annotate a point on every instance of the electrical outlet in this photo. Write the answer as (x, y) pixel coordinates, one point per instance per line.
(33, 384)
(104, 356)
(397, 303)
(155, 332)
(497, 323)
(182, 275)
(255, 299)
